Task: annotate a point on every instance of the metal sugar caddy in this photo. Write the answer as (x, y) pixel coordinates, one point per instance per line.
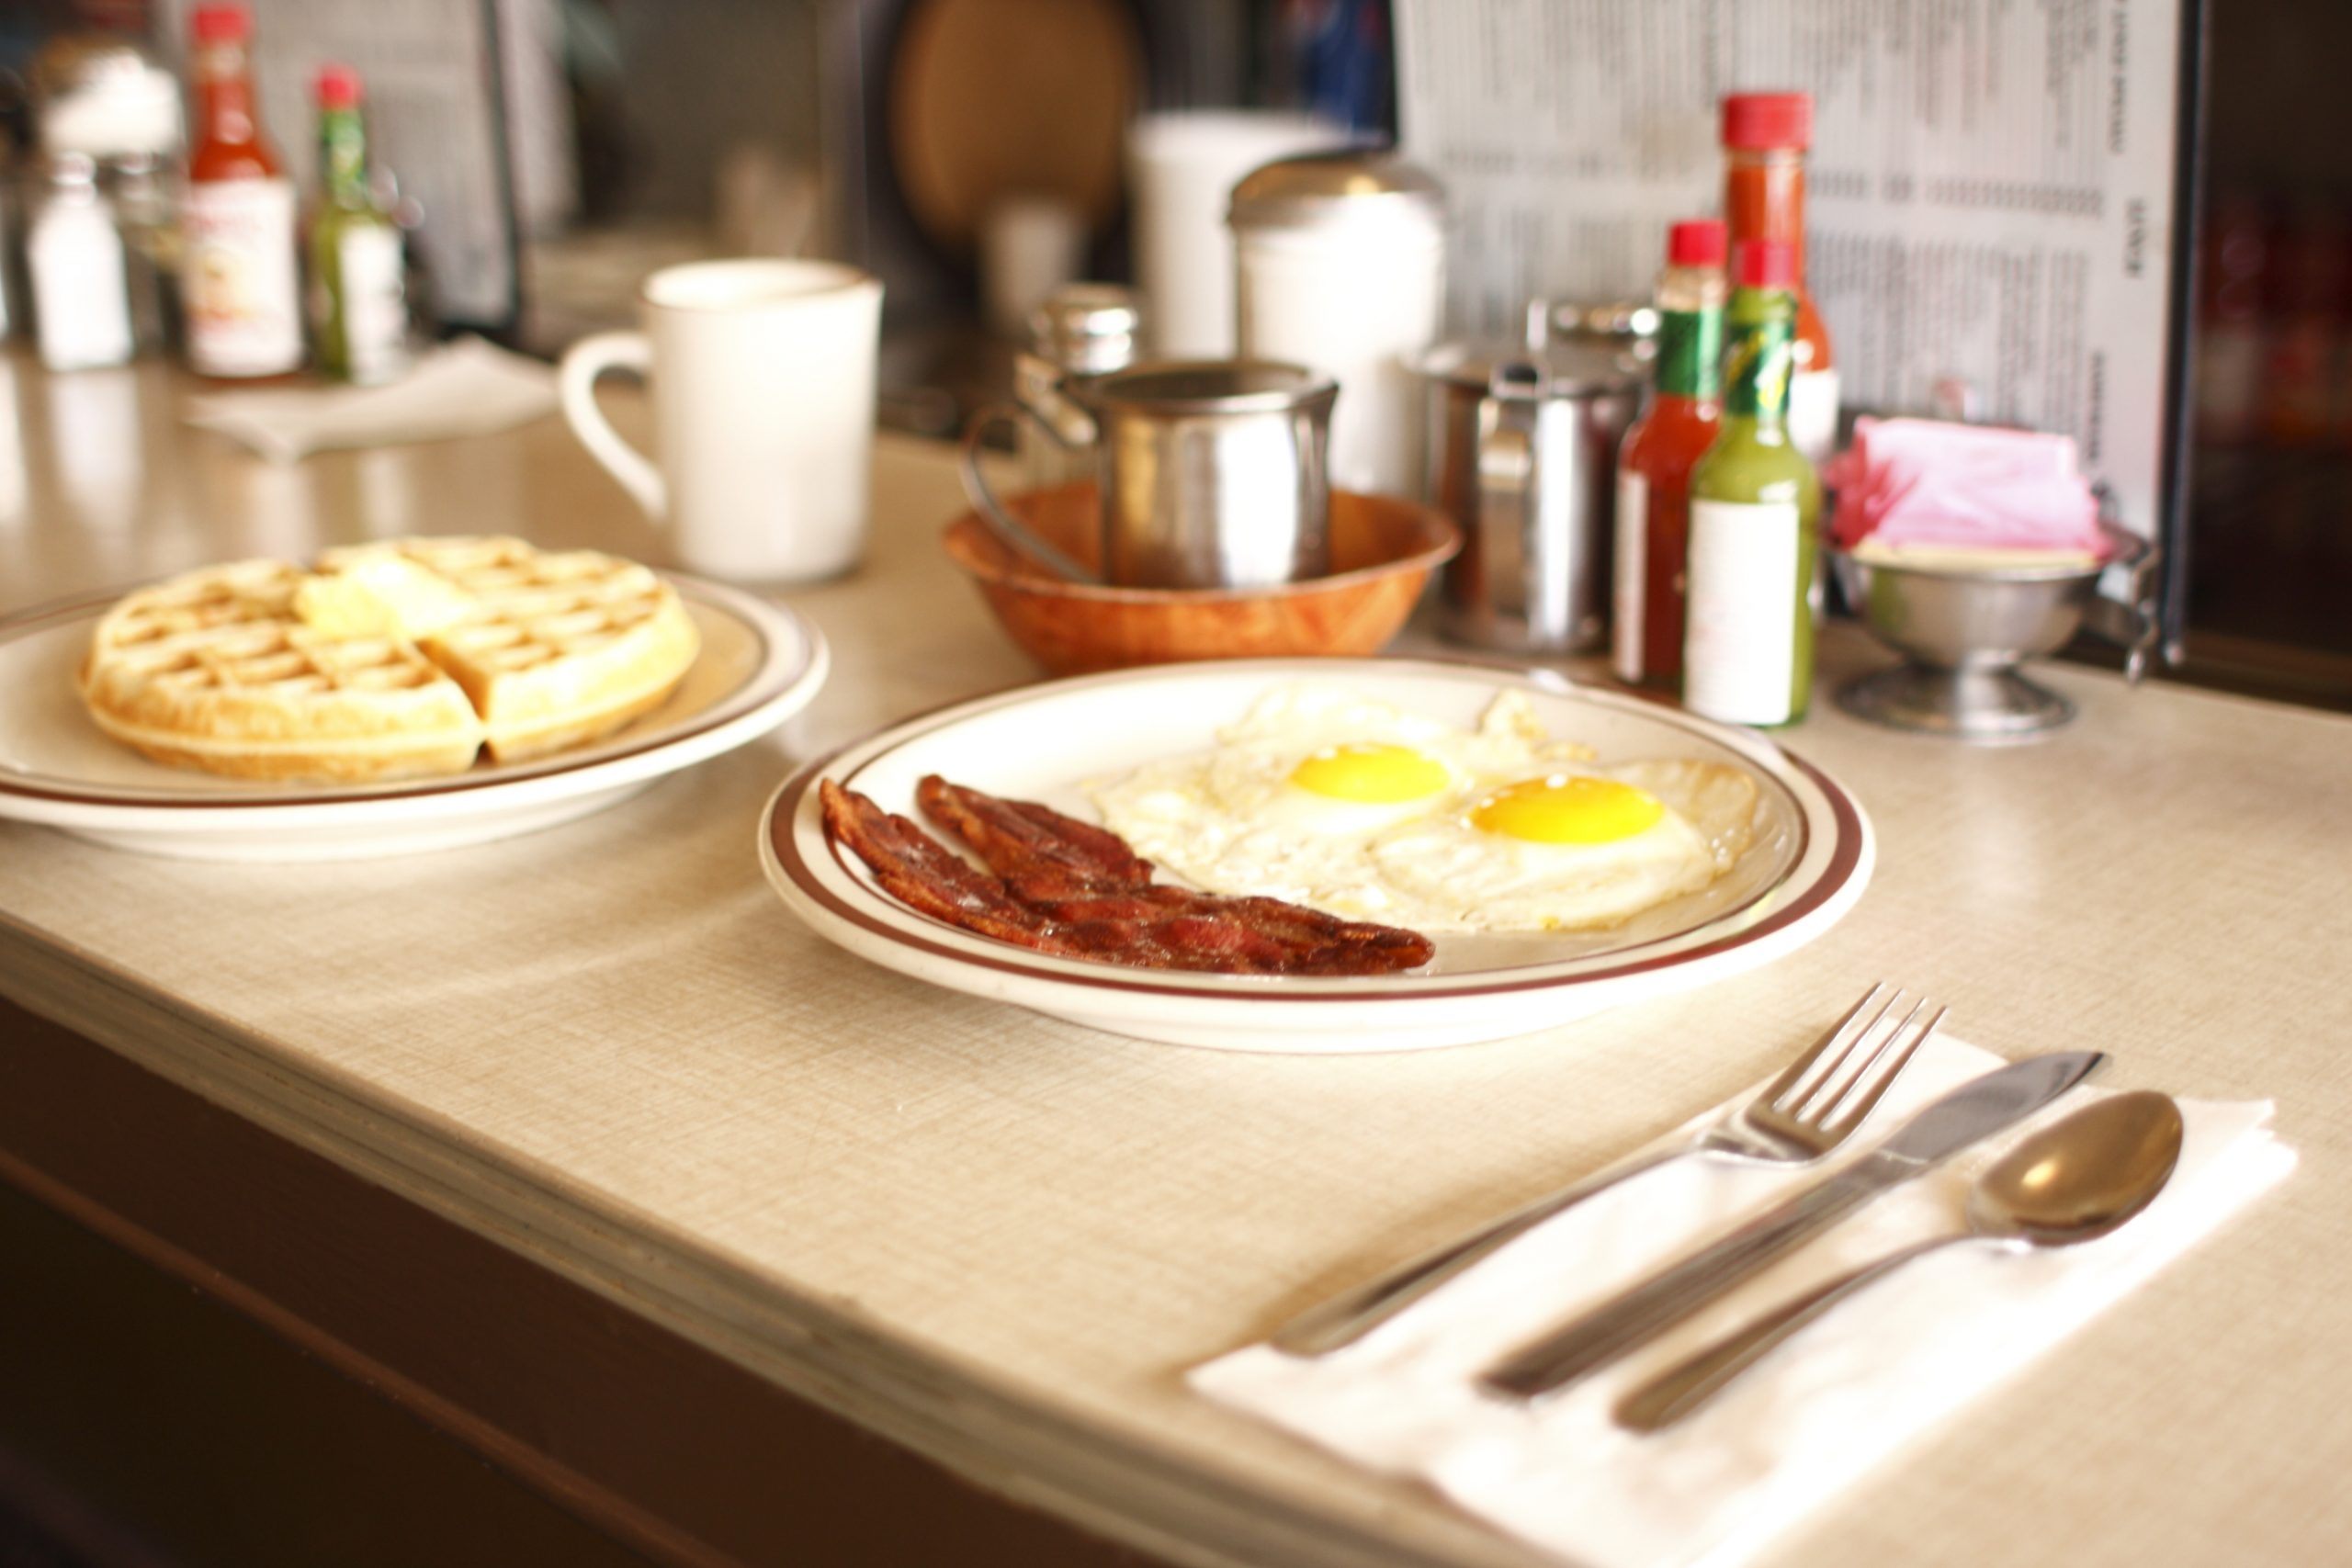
(1522, 446)
(1340, 264)
(1962, 634)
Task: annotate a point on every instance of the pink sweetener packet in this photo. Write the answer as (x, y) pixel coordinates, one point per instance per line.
(1926, 482)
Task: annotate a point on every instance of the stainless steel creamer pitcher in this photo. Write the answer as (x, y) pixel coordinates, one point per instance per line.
(1212, 474)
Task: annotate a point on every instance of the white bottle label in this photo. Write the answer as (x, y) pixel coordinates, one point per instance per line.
(81, 305)
(1813, 414)
(375, 306)
(1627, 606)
(1739, 635)
(245, 309)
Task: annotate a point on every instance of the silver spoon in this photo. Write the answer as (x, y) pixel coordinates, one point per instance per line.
(2078, 1178)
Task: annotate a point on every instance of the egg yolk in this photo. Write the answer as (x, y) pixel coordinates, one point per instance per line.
(1372, 773)
(1568, 809)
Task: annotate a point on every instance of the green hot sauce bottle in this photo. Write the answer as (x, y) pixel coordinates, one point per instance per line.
(1755, 505)
(359, 302)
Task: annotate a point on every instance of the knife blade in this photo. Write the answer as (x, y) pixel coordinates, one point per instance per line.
(1961, 1116)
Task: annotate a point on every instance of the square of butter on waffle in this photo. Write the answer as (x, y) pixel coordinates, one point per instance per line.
(260, 669)
(557, 648)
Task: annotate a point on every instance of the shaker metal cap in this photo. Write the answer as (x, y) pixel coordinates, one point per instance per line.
(1316, 188)
(1555, 369)
(1087, 326)
(103, 95)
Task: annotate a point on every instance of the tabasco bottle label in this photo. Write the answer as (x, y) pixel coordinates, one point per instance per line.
(375, 308)
(1813, 414)
(244, 302)
(1758, 359)
(1689, 352)
(1740, 637)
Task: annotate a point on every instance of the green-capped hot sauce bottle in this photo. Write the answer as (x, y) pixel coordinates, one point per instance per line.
(1755, 505)
(358, 303)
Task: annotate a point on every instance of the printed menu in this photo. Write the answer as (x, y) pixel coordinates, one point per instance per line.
(1991, 198)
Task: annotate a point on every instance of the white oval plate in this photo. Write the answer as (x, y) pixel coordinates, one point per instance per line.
(759, 665)
(1810, 862)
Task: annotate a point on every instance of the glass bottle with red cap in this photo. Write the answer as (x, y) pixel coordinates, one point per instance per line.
(1755, 504)
(239, 284)
(358, 302)
(1766, 137)
(1654, 465)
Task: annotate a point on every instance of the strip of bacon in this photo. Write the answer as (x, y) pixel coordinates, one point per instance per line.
(915, 869)
(1068, 888)
(1016, 836)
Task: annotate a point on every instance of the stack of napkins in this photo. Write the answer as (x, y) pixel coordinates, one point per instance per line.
(1921, 485)
(465, 388)
(1809, 1419)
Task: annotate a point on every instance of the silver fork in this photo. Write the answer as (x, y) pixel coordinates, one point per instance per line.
(1809, 1110)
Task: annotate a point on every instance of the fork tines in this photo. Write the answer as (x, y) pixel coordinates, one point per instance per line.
(1837, 1083)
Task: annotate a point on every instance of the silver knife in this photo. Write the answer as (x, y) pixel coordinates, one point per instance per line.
(1947, 1124)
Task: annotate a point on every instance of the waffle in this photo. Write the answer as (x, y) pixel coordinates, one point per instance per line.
(559, 648)
(217, 670)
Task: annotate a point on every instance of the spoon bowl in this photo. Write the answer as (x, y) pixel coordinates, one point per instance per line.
(2079, 1178)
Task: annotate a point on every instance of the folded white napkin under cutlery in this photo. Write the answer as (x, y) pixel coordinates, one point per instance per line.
(465, 388)
(1883, 1366)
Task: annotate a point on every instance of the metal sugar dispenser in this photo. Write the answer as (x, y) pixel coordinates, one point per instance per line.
(1523, 458)
(1340, 265)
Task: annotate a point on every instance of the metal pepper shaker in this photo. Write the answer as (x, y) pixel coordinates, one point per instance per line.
(1082, 330)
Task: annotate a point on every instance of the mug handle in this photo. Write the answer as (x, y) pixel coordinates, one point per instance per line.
(1009, 531)
(576, 388)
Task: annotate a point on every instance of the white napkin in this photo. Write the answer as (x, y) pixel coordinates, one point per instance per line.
(1812, 1417)
(465, 388)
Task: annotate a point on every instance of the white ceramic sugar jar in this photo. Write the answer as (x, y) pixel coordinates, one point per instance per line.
(1340, 265)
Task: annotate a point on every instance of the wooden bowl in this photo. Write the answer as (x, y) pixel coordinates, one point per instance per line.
(1383, 551)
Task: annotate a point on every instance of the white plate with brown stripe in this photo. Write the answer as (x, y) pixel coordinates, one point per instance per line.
(759, 664)
(1808, 862)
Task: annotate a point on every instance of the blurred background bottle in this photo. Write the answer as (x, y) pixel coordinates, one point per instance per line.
(242, 293)
(1654, 467)
(358, 297)
(1766, 137)
(1755, 515)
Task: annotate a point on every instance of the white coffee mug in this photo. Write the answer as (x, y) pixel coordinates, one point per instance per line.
(762, 382)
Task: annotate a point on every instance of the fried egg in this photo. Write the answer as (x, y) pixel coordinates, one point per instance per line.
(1571, 849)
(1331, 798)
(1294, 791)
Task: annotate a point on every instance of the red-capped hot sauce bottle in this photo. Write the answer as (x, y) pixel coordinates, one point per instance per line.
(243, 293)
(1765, 136)
(1654, 465)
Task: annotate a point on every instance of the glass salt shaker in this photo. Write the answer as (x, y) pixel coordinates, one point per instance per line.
(73, 258)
